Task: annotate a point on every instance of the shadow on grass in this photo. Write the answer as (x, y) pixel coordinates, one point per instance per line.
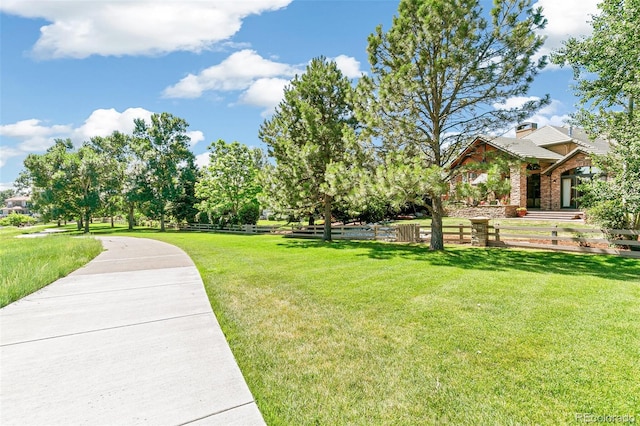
(490, 259)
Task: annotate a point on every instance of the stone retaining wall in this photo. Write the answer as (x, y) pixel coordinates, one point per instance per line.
(494, 212)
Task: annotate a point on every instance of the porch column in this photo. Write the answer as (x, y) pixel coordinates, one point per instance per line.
(518, 178)
(546, 184)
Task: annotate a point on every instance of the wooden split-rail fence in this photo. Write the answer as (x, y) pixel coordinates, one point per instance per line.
(621, 242)
(409, 233)
(234, 229)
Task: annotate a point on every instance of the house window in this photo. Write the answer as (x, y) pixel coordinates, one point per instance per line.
(469, 177)
(569, 193)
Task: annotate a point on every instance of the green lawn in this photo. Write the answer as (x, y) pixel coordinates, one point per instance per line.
(378, 333)
(375, 333)
(28, 264)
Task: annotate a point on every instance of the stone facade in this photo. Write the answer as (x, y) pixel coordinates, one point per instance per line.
(518, 177)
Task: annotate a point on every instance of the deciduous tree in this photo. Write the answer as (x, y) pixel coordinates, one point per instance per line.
(163, 147)
(115, 150)
(229, 182)
(606, 67)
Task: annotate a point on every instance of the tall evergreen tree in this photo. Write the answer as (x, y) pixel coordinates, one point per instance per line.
(309, 133)
(440, 74)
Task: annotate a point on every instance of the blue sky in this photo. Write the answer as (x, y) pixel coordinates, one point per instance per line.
(77, 69)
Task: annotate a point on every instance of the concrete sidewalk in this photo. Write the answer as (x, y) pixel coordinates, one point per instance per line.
(128, 339)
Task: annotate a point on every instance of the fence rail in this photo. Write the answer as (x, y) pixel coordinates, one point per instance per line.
(584, 240)
(460, 234)
(235, 229)
(373, 232)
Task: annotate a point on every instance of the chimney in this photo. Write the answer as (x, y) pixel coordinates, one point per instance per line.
(525, 129)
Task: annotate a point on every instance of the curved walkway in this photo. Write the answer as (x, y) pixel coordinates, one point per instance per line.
(128, 339)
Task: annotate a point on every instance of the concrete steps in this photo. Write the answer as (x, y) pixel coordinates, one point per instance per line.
(555, 215)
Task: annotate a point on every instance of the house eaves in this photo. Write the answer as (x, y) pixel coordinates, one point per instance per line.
(564, 159)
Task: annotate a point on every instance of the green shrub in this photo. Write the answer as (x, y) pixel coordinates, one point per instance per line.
(249, 214)
(16, 219)
(608, 214)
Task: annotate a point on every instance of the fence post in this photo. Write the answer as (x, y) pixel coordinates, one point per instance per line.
(496, 228)
(479, 231)
(460, 233)
(375, 232)
(554, 234)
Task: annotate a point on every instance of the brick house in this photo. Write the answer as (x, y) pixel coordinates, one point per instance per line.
(16, 205)
(546, 163)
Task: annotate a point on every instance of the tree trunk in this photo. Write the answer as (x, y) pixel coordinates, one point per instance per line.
(327, 218)
(162, 221)
(311, 220)
(112, 223)
(87, 220)
(437, 238)
(79, 223)
(130, 217)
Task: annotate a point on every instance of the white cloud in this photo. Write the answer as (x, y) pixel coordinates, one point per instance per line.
(33, 136)
(515, 102)
(80, 28)
(6, 185)
(548, 115)
(7, 152)
(238, 72)
(261, 81)
(266, 93)
(196, 136)
(103, 122)
(349, 66)
(202, 160)
(565, 18)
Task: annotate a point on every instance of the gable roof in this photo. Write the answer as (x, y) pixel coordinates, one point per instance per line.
(553, 135)
(519, 148)
(18, 198)
(522, 148)
(534, 145)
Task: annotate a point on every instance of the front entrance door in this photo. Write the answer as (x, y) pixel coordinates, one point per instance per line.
(533, 191)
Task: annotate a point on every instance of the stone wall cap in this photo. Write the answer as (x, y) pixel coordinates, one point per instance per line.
(480, 219)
